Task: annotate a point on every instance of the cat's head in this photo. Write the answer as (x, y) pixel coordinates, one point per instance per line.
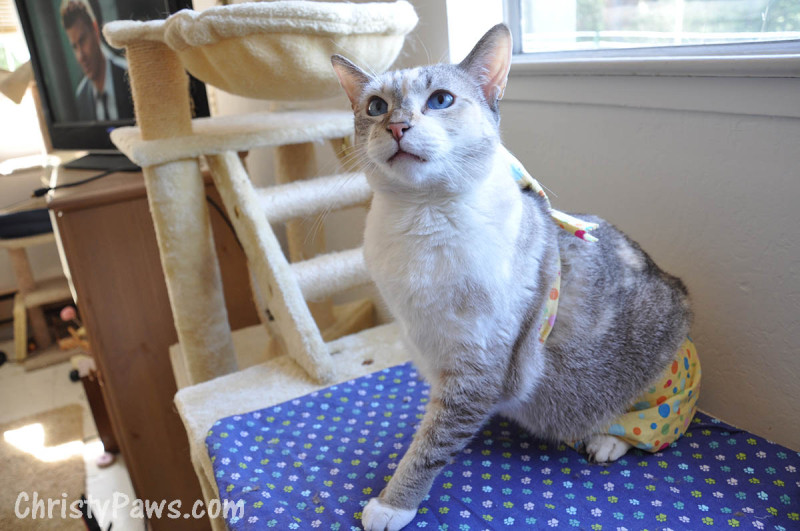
(431, 128)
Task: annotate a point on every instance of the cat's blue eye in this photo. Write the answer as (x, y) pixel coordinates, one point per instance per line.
(440, 100)
(377, 106)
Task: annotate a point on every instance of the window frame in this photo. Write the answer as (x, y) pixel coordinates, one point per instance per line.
(747, 59)
(746, 79)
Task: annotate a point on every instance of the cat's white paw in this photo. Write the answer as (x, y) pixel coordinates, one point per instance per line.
(606, 448)
(378, 516)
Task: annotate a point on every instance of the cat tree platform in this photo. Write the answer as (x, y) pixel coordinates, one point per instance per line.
(315, 461)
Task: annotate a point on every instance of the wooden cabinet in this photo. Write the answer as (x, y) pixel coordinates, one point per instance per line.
(110, 246)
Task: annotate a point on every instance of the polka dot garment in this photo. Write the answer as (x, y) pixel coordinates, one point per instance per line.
(662, 414)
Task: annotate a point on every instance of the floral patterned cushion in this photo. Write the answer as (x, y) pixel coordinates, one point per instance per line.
(314, 462)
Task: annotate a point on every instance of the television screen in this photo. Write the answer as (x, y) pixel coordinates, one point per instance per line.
(82, 81)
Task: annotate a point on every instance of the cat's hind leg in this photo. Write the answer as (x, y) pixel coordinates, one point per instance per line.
(603, 448)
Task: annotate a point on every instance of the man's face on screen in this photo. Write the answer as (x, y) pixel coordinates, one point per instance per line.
(85, 42)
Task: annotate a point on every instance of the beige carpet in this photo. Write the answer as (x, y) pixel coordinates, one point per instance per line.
(42, 468)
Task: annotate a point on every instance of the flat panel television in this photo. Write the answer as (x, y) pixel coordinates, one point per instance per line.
(82, 81)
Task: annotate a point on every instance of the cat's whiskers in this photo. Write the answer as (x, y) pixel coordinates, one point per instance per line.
(552, 193)
(465, 159)
(356, 158)
(336, 186)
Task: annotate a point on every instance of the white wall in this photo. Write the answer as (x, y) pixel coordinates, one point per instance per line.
(712, 196)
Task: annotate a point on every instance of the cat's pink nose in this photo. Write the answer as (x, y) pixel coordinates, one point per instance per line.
(398, 128)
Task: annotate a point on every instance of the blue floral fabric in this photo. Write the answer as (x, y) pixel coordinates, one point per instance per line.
(314, 462)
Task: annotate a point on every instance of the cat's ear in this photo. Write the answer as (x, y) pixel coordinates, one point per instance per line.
(351, 77)
(489, 62)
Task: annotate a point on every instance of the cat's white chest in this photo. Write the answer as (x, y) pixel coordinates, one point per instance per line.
(421, 251)
(434, 263)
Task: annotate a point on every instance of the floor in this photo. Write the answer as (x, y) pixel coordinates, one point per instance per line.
(27, 393)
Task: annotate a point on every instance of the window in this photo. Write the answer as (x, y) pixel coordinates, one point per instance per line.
(722, 56)
(13, 50)
(580, 25)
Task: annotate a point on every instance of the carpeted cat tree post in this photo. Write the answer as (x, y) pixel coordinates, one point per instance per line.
(176, 194)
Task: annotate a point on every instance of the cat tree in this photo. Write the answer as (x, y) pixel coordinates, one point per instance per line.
(275, 51)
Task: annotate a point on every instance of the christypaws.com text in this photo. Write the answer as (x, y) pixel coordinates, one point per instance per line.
(32, 506)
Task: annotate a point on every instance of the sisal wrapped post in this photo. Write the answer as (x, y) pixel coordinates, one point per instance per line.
(305, 237)
(176, 194)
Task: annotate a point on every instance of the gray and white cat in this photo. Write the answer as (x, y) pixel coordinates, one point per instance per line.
(465, 261)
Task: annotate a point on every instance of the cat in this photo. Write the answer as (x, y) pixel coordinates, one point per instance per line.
(466, 261)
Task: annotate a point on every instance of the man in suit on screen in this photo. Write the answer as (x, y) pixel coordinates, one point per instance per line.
(102, 94)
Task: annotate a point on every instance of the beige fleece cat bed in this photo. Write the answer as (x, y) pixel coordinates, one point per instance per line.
(284, 47)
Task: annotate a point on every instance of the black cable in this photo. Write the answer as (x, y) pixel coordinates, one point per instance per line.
(225, 219)
(39, 192)
(12, 205)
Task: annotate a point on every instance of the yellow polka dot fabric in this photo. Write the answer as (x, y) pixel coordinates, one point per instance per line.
(663, 413)
(550, 310)
(575, 226)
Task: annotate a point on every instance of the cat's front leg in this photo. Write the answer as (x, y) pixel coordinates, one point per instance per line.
(452, 418)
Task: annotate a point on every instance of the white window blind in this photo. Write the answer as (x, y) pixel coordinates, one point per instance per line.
(8, 16)
(580, 25)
